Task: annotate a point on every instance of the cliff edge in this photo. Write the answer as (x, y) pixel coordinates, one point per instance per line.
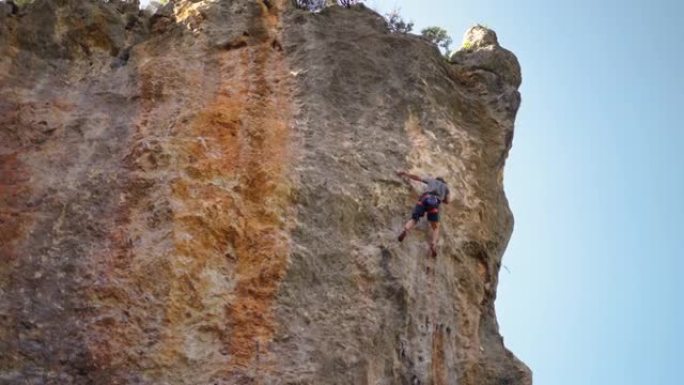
(206, 195)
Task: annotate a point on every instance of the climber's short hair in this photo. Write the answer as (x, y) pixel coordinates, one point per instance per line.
(439, 178)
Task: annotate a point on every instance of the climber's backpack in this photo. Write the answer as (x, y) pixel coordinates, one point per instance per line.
(431, 200)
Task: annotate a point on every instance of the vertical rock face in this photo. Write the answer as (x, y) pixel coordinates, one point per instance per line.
(207, 196)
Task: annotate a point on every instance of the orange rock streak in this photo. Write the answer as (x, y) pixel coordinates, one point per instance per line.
(438, 359)
(13, 189)
(231, 205)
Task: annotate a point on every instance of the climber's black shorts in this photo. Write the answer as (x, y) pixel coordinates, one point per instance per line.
(427, 204)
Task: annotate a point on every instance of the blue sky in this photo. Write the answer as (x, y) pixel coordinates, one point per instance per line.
(596, 182)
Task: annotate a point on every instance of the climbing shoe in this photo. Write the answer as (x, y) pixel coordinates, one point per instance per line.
(402, 236)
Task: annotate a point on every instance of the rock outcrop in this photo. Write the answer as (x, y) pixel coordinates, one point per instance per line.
(207, 195)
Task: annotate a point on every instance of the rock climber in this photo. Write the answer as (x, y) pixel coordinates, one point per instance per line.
(435, 193)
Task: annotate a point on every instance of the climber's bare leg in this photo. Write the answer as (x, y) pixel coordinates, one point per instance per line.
(408, 226)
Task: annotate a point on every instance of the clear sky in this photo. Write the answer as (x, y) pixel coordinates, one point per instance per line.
(596, 182)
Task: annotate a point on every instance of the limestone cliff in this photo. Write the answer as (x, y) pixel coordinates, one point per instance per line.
(207, 195)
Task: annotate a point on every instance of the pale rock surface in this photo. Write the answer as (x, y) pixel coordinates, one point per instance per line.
(207, 195)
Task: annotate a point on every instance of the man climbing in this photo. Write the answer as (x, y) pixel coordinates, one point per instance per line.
(435, 193)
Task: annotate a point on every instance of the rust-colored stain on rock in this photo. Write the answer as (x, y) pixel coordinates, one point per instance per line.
(14, 192)
(244, 141)
(438, 360)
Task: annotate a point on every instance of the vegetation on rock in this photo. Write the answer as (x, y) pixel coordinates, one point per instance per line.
(396, 23)
(317, 5)
(438, 36)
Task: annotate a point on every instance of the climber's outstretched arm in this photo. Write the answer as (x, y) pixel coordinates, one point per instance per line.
(410, 176)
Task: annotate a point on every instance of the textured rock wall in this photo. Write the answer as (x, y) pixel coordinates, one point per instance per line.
(207, 196)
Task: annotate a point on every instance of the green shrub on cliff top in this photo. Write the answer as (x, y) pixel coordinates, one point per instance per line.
(438, 36)
(396, 23)
(317, 5)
